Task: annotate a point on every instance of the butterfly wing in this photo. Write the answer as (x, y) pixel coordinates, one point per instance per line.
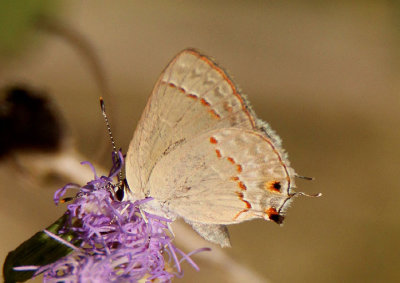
(224, 176)
(192, 95)
(193, 103)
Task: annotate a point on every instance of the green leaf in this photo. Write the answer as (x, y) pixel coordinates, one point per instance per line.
(39, 250)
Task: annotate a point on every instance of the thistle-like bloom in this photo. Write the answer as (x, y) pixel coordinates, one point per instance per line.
(118, 241)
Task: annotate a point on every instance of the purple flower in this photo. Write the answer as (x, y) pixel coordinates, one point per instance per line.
(119, 242)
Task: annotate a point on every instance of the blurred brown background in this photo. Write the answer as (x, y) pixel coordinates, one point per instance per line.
(324, 75)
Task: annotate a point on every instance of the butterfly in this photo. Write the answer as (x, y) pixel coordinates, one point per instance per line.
(202, 154)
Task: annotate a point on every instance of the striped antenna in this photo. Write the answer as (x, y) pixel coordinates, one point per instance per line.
(121, 183)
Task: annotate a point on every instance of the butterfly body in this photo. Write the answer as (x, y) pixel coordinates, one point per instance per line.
(202, 154)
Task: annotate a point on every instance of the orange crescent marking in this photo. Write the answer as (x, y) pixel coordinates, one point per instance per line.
(248, 205)
(215, 114)
(242, 186)
(213, 140)
(204, 102)
(192, 96)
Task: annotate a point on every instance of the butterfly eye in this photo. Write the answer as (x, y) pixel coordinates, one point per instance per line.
(119, 194)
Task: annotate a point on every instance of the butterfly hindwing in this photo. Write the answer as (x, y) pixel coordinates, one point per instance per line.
(224, 176)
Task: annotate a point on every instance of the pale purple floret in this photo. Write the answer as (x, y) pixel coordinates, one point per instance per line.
(118, 244)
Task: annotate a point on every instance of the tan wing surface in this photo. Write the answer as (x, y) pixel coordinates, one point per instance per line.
(202, 154)
(224, 176)
(193, 95)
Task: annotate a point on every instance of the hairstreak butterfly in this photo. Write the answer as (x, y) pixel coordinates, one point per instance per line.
(201, 153)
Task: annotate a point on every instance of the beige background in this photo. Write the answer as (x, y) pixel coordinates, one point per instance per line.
(324, 75)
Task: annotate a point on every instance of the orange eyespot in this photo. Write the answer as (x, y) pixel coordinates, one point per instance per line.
(274, 215)
(274, 186)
